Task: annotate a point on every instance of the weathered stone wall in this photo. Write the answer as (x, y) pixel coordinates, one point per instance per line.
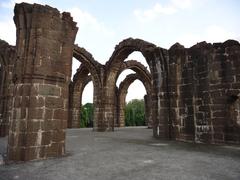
(44, 47)
(204, 89)
(7, 58)
(181, 91)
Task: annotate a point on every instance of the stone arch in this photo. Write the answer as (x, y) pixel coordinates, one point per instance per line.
(136, 67)
(122, 92)
(157, 60)
(142, 71)
(96, 71)
(80, 80)
(122, 51)
(126, 47)
(91, 64)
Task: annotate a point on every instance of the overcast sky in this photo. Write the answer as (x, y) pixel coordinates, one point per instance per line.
(104, 23)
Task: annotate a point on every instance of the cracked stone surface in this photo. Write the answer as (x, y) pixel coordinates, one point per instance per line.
(128, 153)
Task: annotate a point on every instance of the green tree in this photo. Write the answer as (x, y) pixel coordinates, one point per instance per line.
(135, 113)
(86, 117)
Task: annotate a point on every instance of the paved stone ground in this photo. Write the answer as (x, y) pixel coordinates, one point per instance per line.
(129, 153)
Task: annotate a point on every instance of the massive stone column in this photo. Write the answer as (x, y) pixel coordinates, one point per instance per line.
(45, 39)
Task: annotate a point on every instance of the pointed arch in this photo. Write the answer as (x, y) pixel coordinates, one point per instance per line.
(96, 71)
(122, 92)
(156, 58)
(91, 64)
(80, 80)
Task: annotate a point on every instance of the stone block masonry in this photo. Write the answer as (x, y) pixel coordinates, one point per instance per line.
(44, 47)
(204, 92)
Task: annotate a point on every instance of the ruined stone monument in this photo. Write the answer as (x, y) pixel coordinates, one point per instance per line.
(192, 93)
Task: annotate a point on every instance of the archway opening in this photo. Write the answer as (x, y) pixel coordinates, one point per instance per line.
(134, 91)
(232, 125)
(132, 106)
(136, 55)
(131, 111)
(86, 115)
(131, 91)
(134, 109)
(123, 75)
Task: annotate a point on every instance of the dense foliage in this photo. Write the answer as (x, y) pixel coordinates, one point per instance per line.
(135, 113)
(86, 118)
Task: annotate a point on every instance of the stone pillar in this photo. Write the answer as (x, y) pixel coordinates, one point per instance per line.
(148, 111)
(160, 95)
(116, 109)
(121, 105)
(44, 45)
(104, 107)
(75, 107)
(98, 110)
(106, 111)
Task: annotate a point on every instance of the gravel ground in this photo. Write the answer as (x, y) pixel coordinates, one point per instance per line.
(128, 153)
